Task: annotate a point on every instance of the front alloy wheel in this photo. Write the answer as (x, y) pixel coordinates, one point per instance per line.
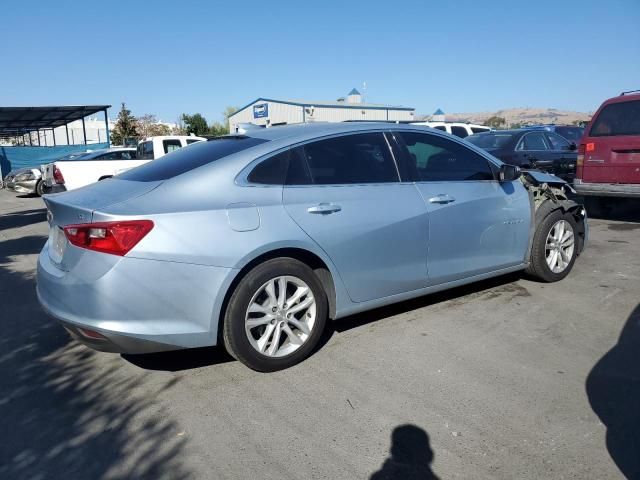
(559, 246)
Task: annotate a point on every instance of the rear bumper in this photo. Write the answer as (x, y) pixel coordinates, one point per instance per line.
(55, 188)
(607, 189)
(138, 306)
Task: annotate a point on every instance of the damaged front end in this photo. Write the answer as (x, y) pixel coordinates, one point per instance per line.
(549, 193)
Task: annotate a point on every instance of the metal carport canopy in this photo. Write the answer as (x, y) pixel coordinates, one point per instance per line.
(16, 121)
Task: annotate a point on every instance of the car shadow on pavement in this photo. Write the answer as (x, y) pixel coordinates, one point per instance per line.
(613, 388)
(410, 456)
(617, 209)
(174, 361)
(364, 318)
(66, 411)
(23, 218)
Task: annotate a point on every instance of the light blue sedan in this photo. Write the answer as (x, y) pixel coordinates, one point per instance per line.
(255, 240)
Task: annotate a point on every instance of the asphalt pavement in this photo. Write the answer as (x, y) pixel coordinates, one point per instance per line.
(507, 378)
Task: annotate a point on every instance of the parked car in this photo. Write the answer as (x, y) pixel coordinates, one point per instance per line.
(69, 174)
(155, 147)
(255, 240)
(571, 133)
(527, 148)
(28, 180)
(24, 180)
(458, 129)
(609, 151)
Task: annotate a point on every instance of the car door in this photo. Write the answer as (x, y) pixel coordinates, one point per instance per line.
(345, 193)
(476, 223)
(533, 151)
(564, 156)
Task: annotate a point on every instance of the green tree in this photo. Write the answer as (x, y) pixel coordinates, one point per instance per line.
(195, 124)
(495, 122)
(126, 126)
(516, 125)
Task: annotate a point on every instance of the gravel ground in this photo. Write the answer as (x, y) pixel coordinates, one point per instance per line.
(506, 378)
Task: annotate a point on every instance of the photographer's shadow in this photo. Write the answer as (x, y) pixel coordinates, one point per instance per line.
(410, 456)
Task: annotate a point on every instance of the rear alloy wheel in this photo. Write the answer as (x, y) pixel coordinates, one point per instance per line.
(554, 248)
(276, 315)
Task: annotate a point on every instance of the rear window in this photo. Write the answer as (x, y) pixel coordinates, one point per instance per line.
(490, 140)
(459, 131)
(617, 119)
(186, 159)
(573, 134)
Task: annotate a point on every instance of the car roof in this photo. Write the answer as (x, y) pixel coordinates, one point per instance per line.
(307, 131)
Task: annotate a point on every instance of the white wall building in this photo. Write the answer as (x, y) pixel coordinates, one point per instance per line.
(269, 112)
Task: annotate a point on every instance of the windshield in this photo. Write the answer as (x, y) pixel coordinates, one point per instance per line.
(490, 140)
(573, 134)
(190, 157)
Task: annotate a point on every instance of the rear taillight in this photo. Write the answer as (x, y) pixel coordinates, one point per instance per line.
(580, 159)
(57, 175)
(116, 238)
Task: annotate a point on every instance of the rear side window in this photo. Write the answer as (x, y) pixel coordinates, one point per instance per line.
(187, 159)
(271, 171)
(533, 141)
(145, 151)
(171, 145)
(557, 142)
(459, 131)
(479, 129)
(617, 119)
(351, 159)
(192, 140)
(435, 159)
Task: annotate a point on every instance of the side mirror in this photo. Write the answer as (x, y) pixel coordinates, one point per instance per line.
(509, 173)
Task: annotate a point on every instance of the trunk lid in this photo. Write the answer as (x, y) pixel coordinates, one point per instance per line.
(77, 206)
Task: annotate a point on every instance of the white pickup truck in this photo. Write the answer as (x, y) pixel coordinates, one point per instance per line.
(97, 165)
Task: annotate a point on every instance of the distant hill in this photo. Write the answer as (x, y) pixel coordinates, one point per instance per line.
(521, 116)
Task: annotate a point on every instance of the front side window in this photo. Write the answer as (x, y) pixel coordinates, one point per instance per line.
(351, 159)
(459, 131)
(441, 127)
(533, 141)
(557, 142)
(171, 145)
(435, 159)
(618, 119)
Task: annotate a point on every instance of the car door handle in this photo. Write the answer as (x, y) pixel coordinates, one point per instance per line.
(324, 208)
(442, 198)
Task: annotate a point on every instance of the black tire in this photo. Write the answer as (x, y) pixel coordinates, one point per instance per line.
(40, 188)
(234, 334)
(538, 267)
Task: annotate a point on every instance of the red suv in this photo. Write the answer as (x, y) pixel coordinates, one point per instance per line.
(608, 163)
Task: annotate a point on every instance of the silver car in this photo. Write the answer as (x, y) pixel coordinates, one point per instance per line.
(25, 180)
(255, 240)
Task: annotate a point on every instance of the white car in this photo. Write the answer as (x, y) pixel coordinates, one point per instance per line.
(458, 129)
(155, 147)
(61, 176)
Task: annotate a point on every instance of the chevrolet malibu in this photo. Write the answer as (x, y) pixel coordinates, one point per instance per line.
(256, 240)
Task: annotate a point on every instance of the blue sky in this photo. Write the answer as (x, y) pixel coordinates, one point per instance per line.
(170, 57)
